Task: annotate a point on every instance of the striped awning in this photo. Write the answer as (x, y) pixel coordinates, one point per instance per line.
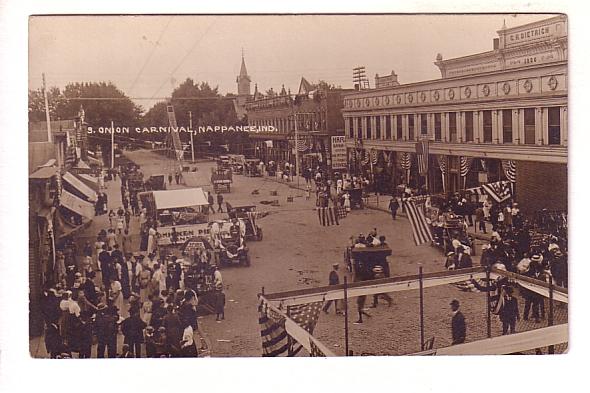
(80, 186)
(77, 205)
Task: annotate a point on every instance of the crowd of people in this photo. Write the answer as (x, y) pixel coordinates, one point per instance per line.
(117, 287)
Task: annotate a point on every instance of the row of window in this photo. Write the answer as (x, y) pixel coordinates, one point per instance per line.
(395, 131)
(305, 121)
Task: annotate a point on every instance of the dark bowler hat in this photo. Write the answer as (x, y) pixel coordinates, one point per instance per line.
(455, 302)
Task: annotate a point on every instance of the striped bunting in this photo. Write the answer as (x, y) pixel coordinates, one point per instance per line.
(466, 163)
(275, 340)
(509, 167)
(422, 154)
(405, 161)
(374, 156)
(328, 216)
(420, 228)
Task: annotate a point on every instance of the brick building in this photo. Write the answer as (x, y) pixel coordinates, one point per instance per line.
(317, 111)
(490, 114)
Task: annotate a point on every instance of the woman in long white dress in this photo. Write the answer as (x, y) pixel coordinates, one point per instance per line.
(151, 240)
(347, 201)
(117, 296)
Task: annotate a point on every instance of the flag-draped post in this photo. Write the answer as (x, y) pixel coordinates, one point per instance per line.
(346, 315)
(420, 278)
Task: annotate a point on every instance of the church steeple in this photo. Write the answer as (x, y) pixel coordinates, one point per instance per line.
(243, 80)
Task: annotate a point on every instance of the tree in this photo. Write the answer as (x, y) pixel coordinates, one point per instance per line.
(207, 108)
(37, 104)
(103, 102)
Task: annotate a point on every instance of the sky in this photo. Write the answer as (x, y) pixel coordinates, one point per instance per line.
(147, 56)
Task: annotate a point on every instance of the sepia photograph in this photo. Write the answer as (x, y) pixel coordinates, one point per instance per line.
(311, 185)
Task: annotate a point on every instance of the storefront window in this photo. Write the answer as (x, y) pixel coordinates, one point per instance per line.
(359, 127)
(378, 127)
(452, 126)
(369, 130)
(387, 127)
(399, 127)
(468, 126)
(411, 127)
(487, 126)
(437, 127)
(507, 126)
(529, 126)
(554, 124)
(423, 124)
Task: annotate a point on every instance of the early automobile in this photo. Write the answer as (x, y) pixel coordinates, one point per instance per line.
(229, 242)
(248, 215)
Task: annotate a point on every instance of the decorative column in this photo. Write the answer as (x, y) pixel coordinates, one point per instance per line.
(477, 126)
(538, 126)
(347, 127)
(515, 127)
(393, 119)
(444, 127)
(405, 130)
(496, 128)
(521, 126)
(545, 125)
(461, 134)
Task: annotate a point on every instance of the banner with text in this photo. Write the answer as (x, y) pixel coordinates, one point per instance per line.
(338, 153)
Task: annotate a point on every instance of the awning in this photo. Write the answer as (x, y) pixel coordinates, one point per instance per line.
(90, 181)
(167, 199)
(51, 162)
(80, 186)
(77, 205)
(81, 165)
(43, 173)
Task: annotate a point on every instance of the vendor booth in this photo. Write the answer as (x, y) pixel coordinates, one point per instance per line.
(181, 214)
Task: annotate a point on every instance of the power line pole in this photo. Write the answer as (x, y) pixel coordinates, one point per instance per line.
(190, 122)
(296, 151)
(47, 117)
(112, 144)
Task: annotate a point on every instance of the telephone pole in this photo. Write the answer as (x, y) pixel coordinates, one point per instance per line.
(190, 122)
(47, 117)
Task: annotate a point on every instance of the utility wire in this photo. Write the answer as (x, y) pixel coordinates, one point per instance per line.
(185, 57)
(150, 55)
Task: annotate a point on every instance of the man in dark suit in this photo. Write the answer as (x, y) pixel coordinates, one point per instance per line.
(458, 327)
(333, 279)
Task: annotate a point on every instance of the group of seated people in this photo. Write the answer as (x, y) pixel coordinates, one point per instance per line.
(371, 240)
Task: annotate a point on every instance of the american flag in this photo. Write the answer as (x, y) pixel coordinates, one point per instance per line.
(422, 154)
(275, 339)
(301, 145)
(500, 190)
(420, 228)
(328, 216)
(306, 316)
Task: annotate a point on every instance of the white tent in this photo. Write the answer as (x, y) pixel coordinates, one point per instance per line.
(168, 199)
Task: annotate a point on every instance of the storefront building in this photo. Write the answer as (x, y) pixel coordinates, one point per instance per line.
(496, 115)
(316, 113)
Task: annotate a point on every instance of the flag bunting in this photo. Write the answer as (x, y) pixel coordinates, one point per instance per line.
(420, 228)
